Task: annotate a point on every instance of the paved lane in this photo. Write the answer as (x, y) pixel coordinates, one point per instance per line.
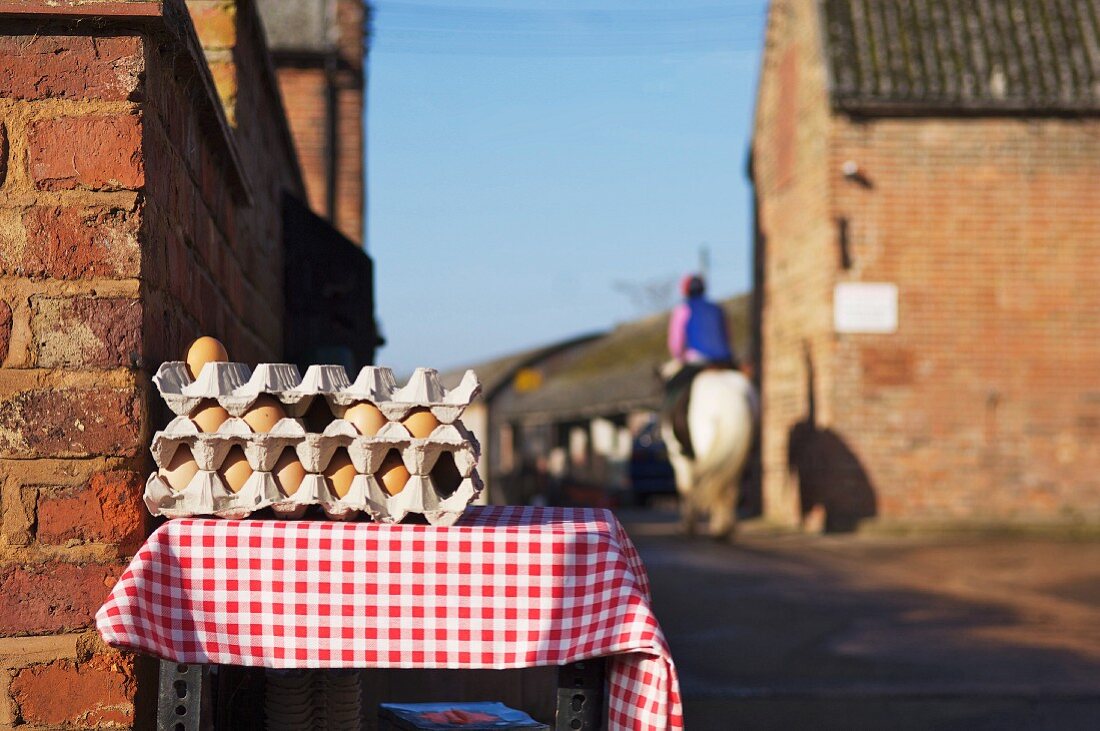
(869, 632)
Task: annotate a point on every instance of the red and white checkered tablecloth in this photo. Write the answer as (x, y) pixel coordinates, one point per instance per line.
(506, 587)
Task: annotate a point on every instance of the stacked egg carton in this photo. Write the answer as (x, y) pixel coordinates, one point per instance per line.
(307, 699)
(442, 466)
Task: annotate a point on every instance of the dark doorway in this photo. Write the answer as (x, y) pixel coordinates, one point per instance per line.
(329, 286)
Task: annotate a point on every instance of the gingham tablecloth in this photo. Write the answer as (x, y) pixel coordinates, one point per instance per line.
(506, 587)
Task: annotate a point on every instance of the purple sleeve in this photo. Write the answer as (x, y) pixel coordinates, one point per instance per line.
(677, 330)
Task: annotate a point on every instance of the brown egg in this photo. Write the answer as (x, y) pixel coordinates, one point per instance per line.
(365, 417)
(181, 468)
(235, 470)
(420, 422)
(209, 416)
(204, 350)
(339, 473)
(392, 474)
(289, 472)
(264, 414)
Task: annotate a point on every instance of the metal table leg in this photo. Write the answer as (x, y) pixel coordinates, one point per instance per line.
(581, 705)
(183, 700)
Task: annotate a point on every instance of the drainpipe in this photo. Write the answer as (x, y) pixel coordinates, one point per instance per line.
(332, 143)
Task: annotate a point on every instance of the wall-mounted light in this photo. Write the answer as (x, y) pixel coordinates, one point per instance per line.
(851, 171)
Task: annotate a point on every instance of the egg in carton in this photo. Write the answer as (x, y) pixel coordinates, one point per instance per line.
(422, 496)
(206, 493)
(209, 448)
(423, 391)
(315, 453)
(418, 455)
(235, 387)
(440, 491)
(440, 477)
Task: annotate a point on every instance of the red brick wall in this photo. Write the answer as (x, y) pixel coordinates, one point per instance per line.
(223, 257)
(132, 218)
(350, 175)
(304, 91)
(985, 405)
(790, 150)
(73, 413)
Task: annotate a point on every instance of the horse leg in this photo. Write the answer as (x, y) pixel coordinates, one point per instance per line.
(685, 486)
(723, 513)
(688, 515)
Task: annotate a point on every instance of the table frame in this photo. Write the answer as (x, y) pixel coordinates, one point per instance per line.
(184, 698)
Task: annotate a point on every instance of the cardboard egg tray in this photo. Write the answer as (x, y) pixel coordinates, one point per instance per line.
(428, 492)
(236, 388)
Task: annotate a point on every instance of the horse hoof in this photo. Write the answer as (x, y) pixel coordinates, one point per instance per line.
(726, 536)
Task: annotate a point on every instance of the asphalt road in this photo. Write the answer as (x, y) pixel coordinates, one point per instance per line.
(878, 632)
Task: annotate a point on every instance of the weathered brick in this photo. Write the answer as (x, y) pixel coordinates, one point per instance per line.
(98, 692)
(23, 651)
(7, 707)
(70, 67)
(106, 510)
(95, 152)
(215, 23)
(74, 243)
(5, 329)
(16, 511)
(54, 597)
(3, 152)
(86, 332)
(75, 422)
(21, 483)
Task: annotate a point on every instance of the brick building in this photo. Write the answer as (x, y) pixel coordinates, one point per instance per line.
(319, 49)
(146, 197)
(951, 152)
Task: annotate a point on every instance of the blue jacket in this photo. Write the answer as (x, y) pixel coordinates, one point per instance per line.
(704, 336)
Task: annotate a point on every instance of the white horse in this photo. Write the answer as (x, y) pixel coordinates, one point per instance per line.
(721, 417)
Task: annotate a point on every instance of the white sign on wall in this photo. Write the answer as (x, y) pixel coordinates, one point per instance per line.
(865, 307)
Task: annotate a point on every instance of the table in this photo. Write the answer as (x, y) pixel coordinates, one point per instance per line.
(506, 587)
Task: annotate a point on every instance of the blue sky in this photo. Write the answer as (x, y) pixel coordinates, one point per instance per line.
(536, 168)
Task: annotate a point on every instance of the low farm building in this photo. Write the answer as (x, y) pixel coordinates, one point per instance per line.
(927, 261)
(563, 416)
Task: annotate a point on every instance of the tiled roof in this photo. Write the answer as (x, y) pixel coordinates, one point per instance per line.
(922, 56)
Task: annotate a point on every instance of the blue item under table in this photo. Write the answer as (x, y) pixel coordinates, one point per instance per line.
(482, 716)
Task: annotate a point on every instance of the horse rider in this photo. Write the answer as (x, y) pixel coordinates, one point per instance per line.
(698, 339)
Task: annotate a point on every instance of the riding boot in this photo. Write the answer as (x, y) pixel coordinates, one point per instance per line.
(677, 401)
(680, 423)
